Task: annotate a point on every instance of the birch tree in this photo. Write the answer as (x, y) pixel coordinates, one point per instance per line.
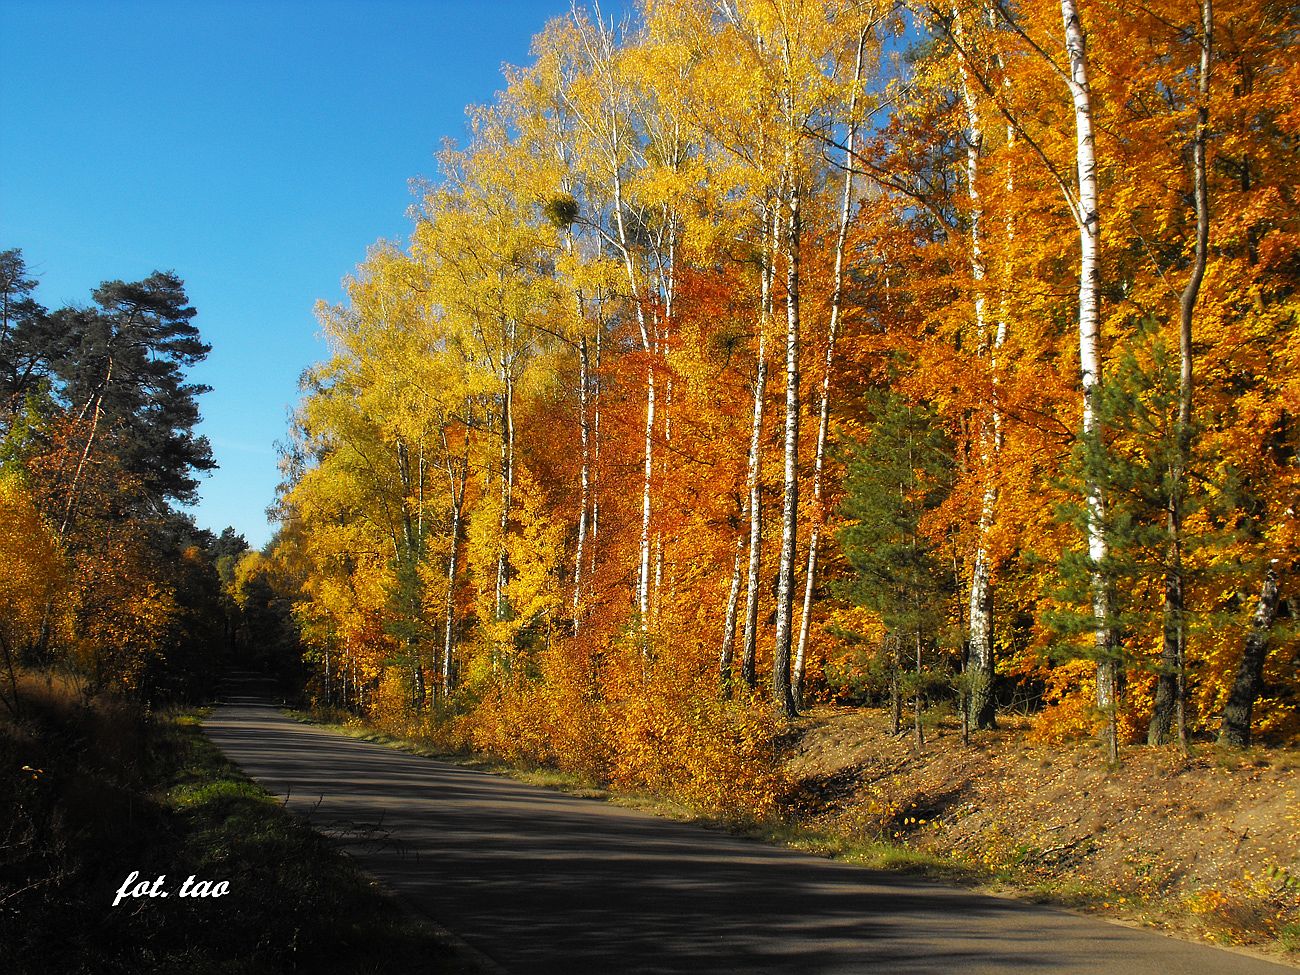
(601, 100)
(979, 712)
(851, 122)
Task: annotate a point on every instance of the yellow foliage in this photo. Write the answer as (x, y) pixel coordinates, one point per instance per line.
(33, 570)
(609, 225)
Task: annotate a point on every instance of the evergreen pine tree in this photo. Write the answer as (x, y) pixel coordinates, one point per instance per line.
(899, 472)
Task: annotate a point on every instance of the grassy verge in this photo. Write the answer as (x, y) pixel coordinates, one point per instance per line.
(108, 791)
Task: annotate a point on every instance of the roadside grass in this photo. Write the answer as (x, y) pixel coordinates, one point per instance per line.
(120, 791)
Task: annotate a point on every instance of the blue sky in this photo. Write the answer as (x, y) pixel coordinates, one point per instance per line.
(255, 148)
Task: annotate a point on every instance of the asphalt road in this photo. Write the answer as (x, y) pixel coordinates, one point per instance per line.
(543, 882)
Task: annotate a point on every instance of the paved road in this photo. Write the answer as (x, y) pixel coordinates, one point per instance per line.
(543, 882)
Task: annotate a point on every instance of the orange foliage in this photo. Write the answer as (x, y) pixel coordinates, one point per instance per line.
(650, 263)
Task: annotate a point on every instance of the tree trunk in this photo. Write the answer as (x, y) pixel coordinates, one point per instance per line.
(458, 485)
(648, 347)
(895, 691)
(643, 579)
(1235, 729)
(663, 325)
(15, 708)
(979, 712)
(917, 726)
(749, 653)
(595, 452)
(584, 500)
(824, 407)
(507, 487)
(979, 662)
(449, 631)
(417, 685)
(85, 454)
(1171, 699)
(729, 626)
(782, 689)
(1088, 217)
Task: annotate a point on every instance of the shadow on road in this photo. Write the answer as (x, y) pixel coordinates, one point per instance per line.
(544, 882)
(249, 688)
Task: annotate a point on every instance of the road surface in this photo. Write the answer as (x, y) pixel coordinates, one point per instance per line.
(543, 882)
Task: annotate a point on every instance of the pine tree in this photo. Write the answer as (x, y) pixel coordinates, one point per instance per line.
(1139, 467)
(122, 378)
(28, 340)
(898, 473)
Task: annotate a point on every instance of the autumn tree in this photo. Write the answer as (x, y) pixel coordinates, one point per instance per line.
(98, 442)
(539, 464)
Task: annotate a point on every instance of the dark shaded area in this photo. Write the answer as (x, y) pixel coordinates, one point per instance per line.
(544, 882)
(109, 790)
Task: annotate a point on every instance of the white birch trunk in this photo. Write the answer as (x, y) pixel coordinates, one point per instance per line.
(1088, 217)
(749, 658)
(507, 487)
(824, 408)
(449, 609)
(584, 500)
(643, 581)
(595, 436)
(643, 576)
(785, 584)
(979, 663)
(726, 655)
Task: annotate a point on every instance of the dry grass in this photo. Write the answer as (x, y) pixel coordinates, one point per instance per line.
(1203, 845)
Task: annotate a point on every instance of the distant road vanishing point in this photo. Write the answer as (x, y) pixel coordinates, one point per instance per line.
(541, 882)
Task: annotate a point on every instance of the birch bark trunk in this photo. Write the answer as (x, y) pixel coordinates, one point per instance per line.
(727, 653)
(584, 429)
(979, 662)
(1088, 217)
(507, 487)
(607, 124)
(595, 450)
(647, 346)
(449, 609)
(666, 260)
(749, 653)
(781, 678)
(824, 407)
(458, 475)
